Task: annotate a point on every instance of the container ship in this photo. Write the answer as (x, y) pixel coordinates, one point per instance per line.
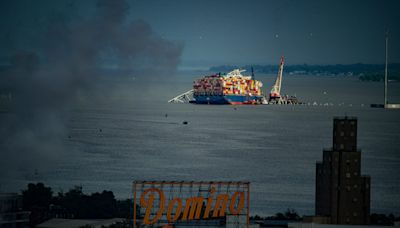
(232, 88)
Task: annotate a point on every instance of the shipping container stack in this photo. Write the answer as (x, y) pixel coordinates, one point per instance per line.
(216, 85)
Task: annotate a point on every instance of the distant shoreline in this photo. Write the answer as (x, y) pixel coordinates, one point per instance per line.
(365, 72)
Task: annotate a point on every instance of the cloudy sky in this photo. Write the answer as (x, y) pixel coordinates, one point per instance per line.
(216, 32)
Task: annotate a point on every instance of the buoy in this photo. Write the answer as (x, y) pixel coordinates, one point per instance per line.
(184, 122)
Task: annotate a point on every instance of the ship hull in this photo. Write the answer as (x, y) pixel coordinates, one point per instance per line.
(227, 99)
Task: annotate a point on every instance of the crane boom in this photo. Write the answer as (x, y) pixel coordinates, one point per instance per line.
(276, 88)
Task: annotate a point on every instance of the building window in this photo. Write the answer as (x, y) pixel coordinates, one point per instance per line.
(355, 200)
(355, 186)
(348, 175)
(352, 134)
(341, 146)
(348, 162)
(352, 122)
(341, 133)
(355, 160)
(348, 188)
(355, 173)
(355, 214)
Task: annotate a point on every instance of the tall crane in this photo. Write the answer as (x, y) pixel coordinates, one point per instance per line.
(275, 93)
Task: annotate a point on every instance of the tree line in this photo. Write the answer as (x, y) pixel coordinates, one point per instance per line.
(43, 204)
(358, 69)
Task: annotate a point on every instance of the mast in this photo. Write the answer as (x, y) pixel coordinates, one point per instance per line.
(386, 70)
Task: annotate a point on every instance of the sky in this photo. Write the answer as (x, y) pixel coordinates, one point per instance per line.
(216, 32)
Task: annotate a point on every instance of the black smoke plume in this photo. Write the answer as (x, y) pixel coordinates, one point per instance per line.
(69, 58)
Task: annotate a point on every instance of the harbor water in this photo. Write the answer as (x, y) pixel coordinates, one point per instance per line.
(132, 133)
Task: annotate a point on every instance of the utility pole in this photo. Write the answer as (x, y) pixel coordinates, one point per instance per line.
(386, 68)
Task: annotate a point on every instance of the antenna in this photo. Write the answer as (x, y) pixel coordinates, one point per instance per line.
(252, 73)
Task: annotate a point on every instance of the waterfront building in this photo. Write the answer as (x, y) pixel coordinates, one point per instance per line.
(342, 194)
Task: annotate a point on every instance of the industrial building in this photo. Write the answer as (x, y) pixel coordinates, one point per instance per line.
(11, 214)
(342, 194)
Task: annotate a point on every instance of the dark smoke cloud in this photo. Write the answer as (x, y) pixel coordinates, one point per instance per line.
(71, 56)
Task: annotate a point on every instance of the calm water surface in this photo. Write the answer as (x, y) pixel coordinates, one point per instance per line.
(274, 147)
